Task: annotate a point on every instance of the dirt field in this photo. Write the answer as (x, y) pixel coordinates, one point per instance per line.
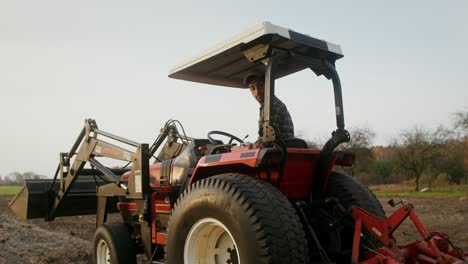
(448, 215)
(68, 240)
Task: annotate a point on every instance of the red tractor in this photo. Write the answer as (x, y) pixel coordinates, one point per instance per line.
(214, 201)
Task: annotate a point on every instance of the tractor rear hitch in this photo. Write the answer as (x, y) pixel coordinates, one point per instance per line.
(311, 233)
(435, 247)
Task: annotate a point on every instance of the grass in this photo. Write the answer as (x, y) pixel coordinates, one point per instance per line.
(402, 190)
(421, 194)
(9, 190)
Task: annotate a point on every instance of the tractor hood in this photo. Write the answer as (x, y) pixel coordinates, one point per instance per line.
(227, 63)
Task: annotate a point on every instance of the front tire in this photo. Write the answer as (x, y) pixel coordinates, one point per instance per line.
(234, 218)
(113, 245)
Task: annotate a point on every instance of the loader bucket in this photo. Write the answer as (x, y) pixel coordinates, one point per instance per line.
(33, 200)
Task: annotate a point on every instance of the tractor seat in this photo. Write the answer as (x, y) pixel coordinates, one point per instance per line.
(295, 143)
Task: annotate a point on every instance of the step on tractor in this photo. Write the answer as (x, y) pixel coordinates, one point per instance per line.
(219, 200)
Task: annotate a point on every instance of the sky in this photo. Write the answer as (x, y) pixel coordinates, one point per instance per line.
(64, 61)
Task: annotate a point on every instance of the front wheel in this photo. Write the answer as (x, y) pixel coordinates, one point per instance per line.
(113, 245)
(210, 239)
(234, 218)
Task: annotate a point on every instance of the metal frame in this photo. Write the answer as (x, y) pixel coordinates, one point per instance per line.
(435, 247)
(339, 136)
(323, 67)
(86, 147)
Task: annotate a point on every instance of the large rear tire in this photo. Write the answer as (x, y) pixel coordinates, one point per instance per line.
(351, 192)
(234, 218)
(113, 245)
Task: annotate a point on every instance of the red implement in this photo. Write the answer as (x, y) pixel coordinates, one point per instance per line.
(435, 247)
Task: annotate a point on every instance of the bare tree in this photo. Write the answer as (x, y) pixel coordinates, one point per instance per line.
(16, 178)
(461, 120)
(360, 144)
(383, 169)
(415, 149)
(32, 175)
(361, 137)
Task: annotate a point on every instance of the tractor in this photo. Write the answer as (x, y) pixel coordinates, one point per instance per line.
(217, 200)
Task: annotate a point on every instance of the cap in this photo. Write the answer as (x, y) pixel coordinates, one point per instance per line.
(254, 73)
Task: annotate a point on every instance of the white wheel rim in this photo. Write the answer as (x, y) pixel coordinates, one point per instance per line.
(210, 242)
(102, 253)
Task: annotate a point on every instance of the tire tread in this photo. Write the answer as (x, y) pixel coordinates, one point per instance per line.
(118, 240)
(279, 231)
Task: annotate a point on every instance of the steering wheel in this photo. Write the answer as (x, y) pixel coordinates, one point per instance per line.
(221, 133)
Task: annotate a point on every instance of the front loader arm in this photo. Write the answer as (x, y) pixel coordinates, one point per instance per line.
(86, 148)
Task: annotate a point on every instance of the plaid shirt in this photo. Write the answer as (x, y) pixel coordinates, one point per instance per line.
(280, 120)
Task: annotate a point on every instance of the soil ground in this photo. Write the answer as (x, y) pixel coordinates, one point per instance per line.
(69, 239)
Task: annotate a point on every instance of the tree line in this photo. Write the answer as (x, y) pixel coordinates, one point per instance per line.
(416, 155)
(17, 178)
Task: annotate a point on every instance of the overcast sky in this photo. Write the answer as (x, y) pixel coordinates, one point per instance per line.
(64, 61)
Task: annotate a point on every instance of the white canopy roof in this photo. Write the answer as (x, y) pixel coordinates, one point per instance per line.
(226, 65)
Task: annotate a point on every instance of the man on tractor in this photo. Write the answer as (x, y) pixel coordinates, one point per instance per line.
(280, 119)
